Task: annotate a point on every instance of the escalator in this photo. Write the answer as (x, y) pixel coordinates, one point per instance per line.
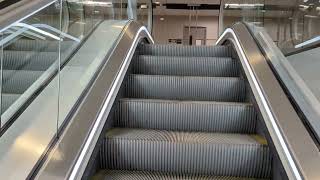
(184, 112)
(102, 101)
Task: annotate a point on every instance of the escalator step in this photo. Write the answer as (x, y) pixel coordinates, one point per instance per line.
(17, 82)
(186, 88)
(144, 175)
(195, 153)
(194, 51)
(8, 100)
(24, 60)
(188, 66)
(39, 45)
(186, 115)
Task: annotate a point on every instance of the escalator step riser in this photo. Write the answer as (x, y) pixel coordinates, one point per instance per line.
(186, 116)
(144, 175)
(22, 60)
(186, 153)
(194, 51)
(188, 66)
(17, 82)
(186, 88)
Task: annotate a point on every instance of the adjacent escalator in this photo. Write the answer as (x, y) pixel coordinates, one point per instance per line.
(184, 112)
(26, 63)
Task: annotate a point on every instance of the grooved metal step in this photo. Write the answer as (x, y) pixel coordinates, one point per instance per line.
(145, 175)
(187, 66)
(175, 50)
(7, 100)
(186, 115)
(32, 60)
(186, 88)
(186, 153)
(17, 82)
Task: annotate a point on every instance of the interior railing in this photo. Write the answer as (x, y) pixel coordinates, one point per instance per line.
(51, 51)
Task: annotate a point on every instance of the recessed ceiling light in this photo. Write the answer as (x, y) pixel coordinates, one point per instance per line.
(95, 3)
(162, 19)
(235, 6)
(144, 6)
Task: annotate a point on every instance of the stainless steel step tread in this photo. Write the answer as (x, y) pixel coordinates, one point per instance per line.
(184, 77)
(186, 66)
(17, 81)
(229, 89)
(248, 104)
(185, 137)
(146, 175)
(186, 58)
(28, 60)
(174, 50)
(176, 115)
(219, 154)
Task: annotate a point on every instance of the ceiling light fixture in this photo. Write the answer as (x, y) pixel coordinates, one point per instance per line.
(144, 6)
(237, 6)
(94, 3)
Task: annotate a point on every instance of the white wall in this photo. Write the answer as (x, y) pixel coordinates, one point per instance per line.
(172, 27)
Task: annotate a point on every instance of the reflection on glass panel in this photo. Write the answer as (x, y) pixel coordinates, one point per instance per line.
(96, 25)
(30, 59)
(291, 24)
(29, 92)
(143, 10)
(38, 47)
(48, 59)
(288, 31)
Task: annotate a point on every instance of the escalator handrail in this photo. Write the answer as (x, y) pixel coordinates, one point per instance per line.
(80, 137)
(295, 147)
